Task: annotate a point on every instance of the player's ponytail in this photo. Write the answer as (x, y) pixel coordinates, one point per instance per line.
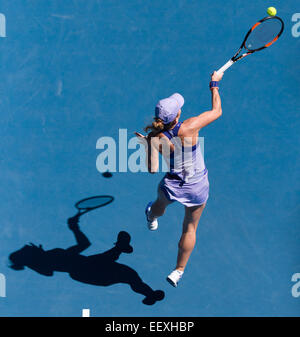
(158, 126)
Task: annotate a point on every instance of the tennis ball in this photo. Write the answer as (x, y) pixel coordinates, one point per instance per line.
(272, 11)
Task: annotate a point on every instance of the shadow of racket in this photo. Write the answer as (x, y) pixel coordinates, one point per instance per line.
(89, 204)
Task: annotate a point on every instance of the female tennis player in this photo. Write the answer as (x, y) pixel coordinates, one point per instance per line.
(187, 179)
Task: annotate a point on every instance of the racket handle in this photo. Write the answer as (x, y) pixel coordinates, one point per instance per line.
(225, 67)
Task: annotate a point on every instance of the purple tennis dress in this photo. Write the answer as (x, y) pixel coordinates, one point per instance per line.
(187, 180)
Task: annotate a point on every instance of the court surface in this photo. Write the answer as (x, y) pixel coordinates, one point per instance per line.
(75, 71)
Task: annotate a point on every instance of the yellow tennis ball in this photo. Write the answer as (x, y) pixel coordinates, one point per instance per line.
(272, 11)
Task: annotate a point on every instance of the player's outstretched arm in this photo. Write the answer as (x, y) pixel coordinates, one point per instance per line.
(82, 241)
(207, 117)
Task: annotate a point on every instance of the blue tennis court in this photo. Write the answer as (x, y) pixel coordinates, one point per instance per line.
(75, 71)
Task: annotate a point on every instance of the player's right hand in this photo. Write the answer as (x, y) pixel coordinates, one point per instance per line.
(216, 76)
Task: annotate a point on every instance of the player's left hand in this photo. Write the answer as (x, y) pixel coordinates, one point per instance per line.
(142, 139)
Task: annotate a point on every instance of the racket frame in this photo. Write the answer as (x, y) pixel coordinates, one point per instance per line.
(235, 57)
(88, 209)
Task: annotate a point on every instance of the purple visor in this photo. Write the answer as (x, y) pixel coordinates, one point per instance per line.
(167, 109)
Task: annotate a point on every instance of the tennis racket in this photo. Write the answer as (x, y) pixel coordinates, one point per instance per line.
(261, 35)
(91, 203)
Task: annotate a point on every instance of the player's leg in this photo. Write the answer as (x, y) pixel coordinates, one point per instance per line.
(160, 204)
(125, 274)
(188, 238)
(187, 241)
(156, 209)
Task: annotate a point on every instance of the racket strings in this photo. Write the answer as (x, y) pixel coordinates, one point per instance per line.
(263, 34)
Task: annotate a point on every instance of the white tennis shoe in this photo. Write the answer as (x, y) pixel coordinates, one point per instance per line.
(151, 221)
(175, 277)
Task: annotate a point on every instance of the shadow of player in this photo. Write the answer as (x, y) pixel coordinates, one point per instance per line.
(100, 269)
